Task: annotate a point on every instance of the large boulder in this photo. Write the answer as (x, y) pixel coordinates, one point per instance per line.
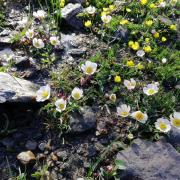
(69, 14)
(150, 160)
(14, 89)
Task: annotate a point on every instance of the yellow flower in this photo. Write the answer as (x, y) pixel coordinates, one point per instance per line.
(88, 23)
(103, 13)
(147, 49)
(149, 22)
(163, 39)
(152, 6)
(144, 2)
(147, 40)
(130, 63)
(173, 27)
(105, 9)
(135, 46)
(130, 43)
(156, 35)
(112, 7)
(117, 79)
(124, 21)
(140, 66)
(62, 3)
(128, 9)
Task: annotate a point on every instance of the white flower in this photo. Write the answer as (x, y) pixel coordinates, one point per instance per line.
(106, 19)
(90, 10)
(151, 89)
(163, 125)
(77, 93)
(140, 53)
(130, 84)
(40, 14)
(123, 110)
(30, 33)
(162, 4)
(112, 97)
(89, 67)
(54, 40)
(139, 116)
(175, 119)
(43, 93)
(38, 43)
(60, 105)
(164, 60)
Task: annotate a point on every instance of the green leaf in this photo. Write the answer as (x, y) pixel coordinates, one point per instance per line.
(120, 164)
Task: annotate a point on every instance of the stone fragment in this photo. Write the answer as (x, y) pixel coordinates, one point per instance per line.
(26, 157)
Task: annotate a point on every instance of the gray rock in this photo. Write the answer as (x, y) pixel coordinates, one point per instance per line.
(174, 137)
(8, 142)
(76, 52)
(7, 56)
(62, 155)
(42, 146)
(165, 20)
(31, 145)
(150, 161)
(83, 120)
(14, 89)
(76, 1)
(69, 14)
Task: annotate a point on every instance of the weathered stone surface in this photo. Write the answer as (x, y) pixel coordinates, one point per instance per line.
(31, 145)
(83, 120)
(76, 1)
(26, 157)
(174, 137)
(69, 14)
(150, 161)
(14, 89)
(165, 20)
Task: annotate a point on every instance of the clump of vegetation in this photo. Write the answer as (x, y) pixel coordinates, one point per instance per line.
(140, 87)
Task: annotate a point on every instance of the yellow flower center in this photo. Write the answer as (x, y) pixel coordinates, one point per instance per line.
(77, 95)
(163, 126)
(45, 94)
(61, 106)
(124, 113)
(89, 70)
(176, 122)
(151, 91)
(139, 116)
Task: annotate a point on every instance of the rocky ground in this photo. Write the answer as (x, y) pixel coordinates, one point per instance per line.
(25, 139)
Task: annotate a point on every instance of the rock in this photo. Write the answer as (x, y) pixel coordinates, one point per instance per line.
(42, 146)
(8, 142)
(83, 120)
(150, 161)
(26, 157)
(76, 52)
(14, 89)
(120, 34)
(69, 14)
(31, 145)
(174, 137)
(165, 20)
(76, 1)
(7, 56)
(62, 155)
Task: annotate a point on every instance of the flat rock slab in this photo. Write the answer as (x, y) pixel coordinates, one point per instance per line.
(14, 89)
(147, 160)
